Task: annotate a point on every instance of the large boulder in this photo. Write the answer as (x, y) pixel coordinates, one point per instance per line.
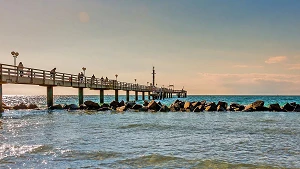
(121, 109)
(164, 108)
(83, 107)
(66, 106)
(224, 105)
(122, 103)
(20, 106)
(56, 107)
(130, 104)
(104, 105)
(32, 106)
(236, 107)
(187, 105)
(194, 105)
(114, 104)
(275, 107)
(92, 105)
(153, 106)
(297, 108)
(136, 106)
(145, 103)
(288, 107)
(199, 108)
(73, 107)
(175, 107)
(256, 106)
(144, 109)
(220, 108)
(211, 107)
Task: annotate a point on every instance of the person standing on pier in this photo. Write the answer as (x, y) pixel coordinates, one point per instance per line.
(92, 79)
(81, 77)
(52, 72)
(20, 67)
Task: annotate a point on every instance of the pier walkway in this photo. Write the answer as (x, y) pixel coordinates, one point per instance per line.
(10, 74)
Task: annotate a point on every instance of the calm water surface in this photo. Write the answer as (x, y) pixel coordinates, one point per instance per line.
(88, 139)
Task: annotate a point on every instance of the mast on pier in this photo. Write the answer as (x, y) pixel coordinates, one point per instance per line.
(153, 73)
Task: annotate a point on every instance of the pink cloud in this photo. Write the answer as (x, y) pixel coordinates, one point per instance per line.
(294, 66)
(276, 59)
(247, 66)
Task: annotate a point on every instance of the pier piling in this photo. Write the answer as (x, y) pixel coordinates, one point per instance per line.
(80, 95)
(149, 96)
(117, 95)
(136, 95)
(101, 95)
(127, 95)
(49, 96)
(143, 95)
(0, 97)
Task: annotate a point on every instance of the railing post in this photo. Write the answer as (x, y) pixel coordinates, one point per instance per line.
(85, 81)
(54, 74)
(31, 76)
(44, 76)
(1, 75)
(63, 79)
(71, 80)
(17, 74)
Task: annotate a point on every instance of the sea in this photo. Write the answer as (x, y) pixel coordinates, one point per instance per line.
(90, 139)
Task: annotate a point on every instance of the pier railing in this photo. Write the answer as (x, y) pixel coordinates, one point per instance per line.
(33, 76)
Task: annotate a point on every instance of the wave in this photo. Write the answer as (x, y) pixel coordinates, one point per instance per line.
(81, 155)
(161, 161)
(146, 126)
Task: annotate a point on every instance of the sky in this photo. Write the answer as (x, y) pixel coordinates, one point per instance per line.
(204, 46)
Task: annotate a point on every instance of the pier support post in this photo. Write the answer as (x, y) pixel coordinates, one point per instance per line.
(136, 95)
(80, 95)
(117, 95)
(127, 95)
(0, 99)
(49, 96)
(143, 95)
(148, 95)
(101, 96)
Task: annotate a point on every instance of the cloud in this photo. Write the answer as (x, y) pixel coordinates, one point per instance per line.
(276, 59)
(247, 66)
(294, 66)
(84, 17)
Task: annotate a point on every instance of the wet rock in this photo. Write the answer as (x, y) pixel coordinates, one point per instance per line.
(20, 106)
(56, 107)
(1, 110)
(73, 107)
(66, 106)
(121, 109)
(236, 107)
(288, 107)
(104, 109)
(275, 107)
(164, 108)
(297, 108)
(153, 106)
(32, 106)
(194, 105)
(159, 103)
(92, 105)
(83, 107)
(144, 109)
(224, 105)
(211, 107)
(145, 103)
(175, 107)
(136, 106)
(187, 105)
(104, 105)
(256, 106)
(220, 108)
(199, 108)
(114, 104)
(129, 104)
(122, 103)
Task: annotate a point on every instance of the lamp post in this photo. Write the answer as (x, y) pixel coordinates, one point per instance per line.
(147, 83)
(116, 77)
(83, 68)
(15, 55)
(135, 80)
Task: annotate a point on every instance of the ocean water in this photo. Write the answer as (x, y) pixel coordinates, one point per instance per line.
(90, 139)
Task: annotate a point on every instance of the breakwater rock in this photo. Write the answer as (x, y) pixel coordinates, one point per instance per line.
(182, 106)
(19, 106)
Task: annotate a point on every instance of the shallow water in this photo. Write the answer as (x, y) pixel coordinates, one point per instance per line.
(88, 139)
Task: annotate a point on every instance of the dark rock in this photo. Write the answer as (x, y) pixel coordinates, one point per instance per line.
(159, 103)
(199, 108)
(83, 106)
(114, 104)
(181, 104)
(203, 102)
(92, 105)
(220, 108)
(275, 107)
(176, 101)
(121, 109)
(256, 106)
(297, 108)
(1, 110)
(211, 107)
(236, 107)
(104, 109)
(288, 107)
(104, 105)
(20, 106)
(187, 105)
(164, 108)
(182, 109)
(129, 104)
(153, 106)
(32, 106)
(224, 105)
(144, 109)
(294, 104)
(194, 105)
(122, 103)
(137, 106)
(145, 103)
(73, 107)
(56, 107)
(66, 106)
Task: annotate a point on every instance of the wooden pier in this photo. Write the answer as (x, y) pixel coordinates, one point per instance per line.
(10, 74)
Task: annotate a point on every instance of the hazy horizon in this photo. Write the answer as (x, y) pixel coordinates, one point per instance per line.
(209, 47)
